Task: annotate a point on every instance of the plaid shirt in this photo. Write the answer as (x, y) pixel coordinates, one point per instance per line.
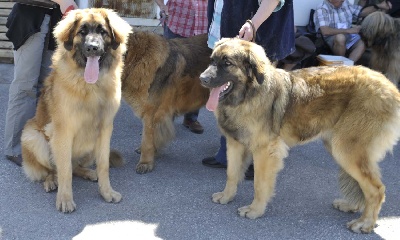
(187, 17)
(340, 18)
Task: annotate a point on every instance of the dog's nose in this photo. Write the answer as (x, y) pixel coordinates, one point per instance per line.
(93, 46)
(205, 79)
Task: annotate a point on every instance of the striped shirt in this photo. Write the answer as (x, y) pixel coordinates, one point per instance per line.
(187, 17)
(340, 18)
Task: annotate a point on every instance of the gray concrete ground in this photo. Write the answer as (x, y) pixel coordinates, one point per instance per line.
(174, 201)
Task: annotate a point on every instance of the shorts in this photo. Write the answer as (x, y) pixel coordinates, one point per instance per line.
(351, 39)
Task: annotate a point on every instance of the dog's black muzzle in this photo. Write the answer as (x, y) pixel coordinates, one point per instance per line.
(208, 75)
(93, 46)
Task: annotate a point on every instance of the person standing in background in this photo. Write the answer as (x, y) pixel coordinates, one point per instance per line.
(30, 31)
(185, 18)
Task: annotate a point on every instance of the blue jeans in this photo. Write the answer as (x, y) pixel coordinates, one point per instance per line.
(221, 154)
(168, 34)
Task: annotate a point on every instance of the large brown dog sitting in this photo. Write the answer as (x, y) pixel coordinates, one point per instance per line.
(75, 113)
(161, 81)
(263, 111)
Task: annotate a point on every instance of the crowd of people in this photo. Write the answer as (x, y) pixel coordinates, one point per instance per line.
(335, 20)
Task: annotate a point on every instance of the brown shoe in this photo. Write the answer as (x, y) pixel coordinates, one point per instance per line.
(194, 126)
(15, 159)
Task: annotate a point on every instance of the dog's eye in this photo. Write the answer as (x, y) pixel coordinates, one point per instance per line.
(101, 30)
(83, 30)
(227, 63)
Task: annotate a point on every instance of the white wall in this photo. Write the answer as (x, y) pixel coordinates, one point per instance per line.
(82, 3)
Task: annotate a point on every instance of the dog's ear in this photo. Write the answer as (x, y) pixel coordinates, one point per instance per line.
(258, 62)
(119, 28)
(64, 32)
(377, 28)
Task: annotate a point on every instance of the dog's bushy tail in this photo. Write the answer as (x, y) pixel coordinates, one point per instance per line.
(116, 159)
(351, 190)
(164, 132)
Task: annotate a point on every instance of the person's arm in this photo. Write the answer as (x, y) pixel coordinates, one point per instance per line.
(327, 31)
(66, 5)
(263, 12)
(382, 6)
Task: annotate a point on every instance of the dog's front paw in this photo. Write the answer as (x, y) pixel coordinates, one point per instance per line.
(361, 225)
(142, 168)
(65, 204)
(112, 196)
(221, 198)
(250, 212)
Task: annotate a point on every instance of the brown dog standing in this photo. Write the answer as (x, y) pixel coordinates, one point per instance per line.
(160, 81)
(263, 111)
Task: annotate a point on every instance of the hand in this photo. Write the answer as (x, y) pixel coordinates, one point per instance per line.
(65, 4)
(164, 10)
(354, 29)
(384, 5)
(246, 32)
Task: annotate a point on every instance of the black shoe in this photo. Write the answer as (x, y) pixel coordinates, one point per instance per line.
(249, 175)
(194, 126)
(15, 159)
(212, 162)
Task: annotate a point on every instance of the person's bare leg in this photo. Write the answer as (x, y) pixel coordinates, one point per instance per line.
(359, 49)
(339, 45)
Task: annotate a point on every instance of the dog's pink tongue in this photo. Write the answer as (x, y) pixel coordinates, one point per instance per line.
(92, 69)
(212, 102)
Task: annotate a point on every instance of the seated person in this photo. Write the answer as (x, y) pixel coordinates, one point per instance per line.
(304, 49)
(334, 19)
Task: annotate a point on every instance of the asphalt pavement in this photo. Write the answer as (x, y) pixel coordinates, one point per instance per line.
(174, 201)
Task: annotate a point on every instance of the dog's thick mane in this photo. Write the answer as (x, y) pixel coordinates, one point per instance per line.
(381, 33)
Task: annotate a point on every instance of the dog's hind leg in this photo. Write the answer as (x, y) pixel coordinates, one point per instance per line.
(268, 161)
(81, 168)
(156, 134)
(348, 184)
(236, 154)
(362, 173)
(354, 197)
(36, 156)
(85, 173)
(147, 148)
(50, 183)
